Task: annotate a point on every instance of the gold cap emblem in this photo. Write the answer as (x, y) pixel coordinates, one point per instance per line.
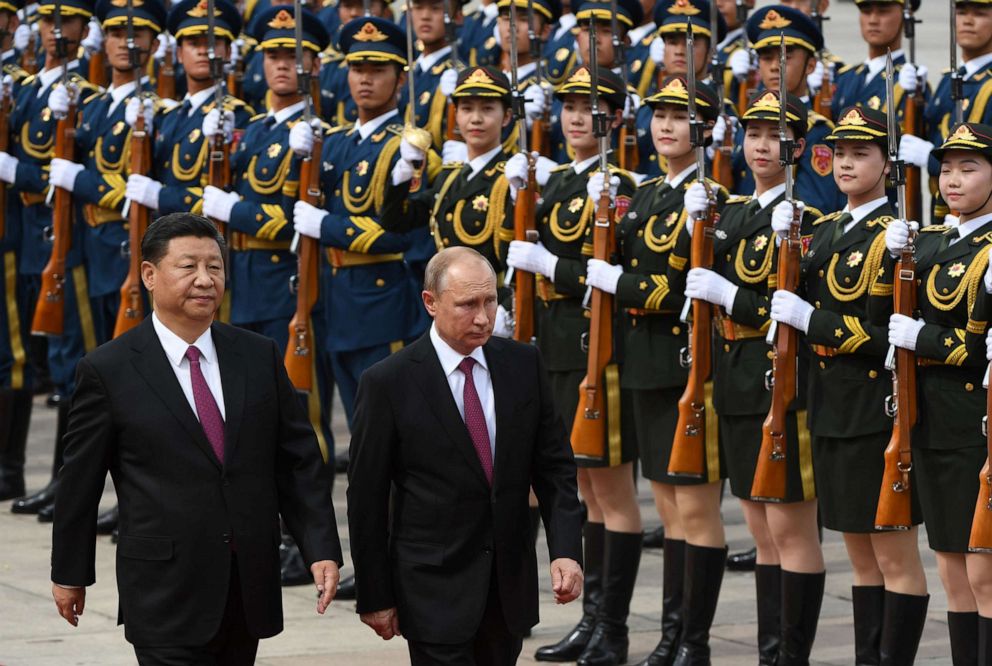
(675, 86)
(478, 76)
(962, 133)
(123, 3)
(774, 20)
(683, 8)
(767, 101)
(199, 10)
(283, 21)
(581, 75)
(370, 33)
(853, 117)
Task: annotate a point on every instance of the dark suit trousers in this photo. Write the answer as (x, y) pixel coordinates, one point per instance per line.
(493, 644)
(233, 645)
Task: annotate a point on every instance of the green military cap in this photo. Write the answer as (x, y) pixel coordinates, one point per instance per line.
(858, 123)
(968, 136)
(482, 82)
(766, 107)
(675, 91)
(579, 82)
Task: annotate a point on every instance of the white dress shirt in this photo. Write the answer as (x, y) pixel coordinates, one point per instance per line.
(481, 161)
(47, 77)
(876, 65)
(426, 61)
(679, 178)
(450, 359)
(365, 130)
(966, 228)
(175, 349)
(972, 66)
(771, 194)
(283, 115)
(196, 100)
(862, 211)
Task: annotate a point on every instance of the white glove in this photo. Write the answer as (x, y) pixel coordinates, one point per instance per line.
(134, 105)
(904, 331)
(516, 171)
(988, 275)
(165, 42)
(402, 172)
(143, 190)
(94, 39)
(543, 169)
(535, 102)
(449, 81)
(915, 150)
(787, 308)
(911, 75)
(952, 220)
(236, 47)
(218, 204)
(212, 124)
(454, 151)
(307, 219)
(988, 345)
(720, 129)
(740, 64)
(602, 275)
(657, 51)
(631, 104)
(411, 153)
(8, 168)
(782, 217)
(704, 284)
(594, 186)
(897, 235)
(301, 139)
(696, 201)
(22, 37)
(58, 101)
(502, 327)
(63, 173)
(815, 79)
(531, 257)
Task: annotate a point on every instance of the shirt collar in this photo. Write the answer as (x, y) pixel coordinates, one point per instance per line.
(972, 66)
(490, 12)
(119, 94)
(287, 113)
(966, 228)
(175, 347)
(580, 167)
(736, 33)
(369, 128)
(50, 76)
(425, 62)
(877, 64)
(679, 178)
(449, 358)
(768, 196)
(479, 162)
(523, 71)
(640, 32)
(862, 211)
(197, 100)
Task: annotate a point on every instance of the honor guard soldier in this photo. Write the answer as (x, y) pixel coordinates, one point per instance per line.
(949, 449)
(559, 48)
(642, 76)
(183, 131)
(10, 57)
(564, 216)
(849, 386)
(477, 39)
(369, 295)
(25, 166)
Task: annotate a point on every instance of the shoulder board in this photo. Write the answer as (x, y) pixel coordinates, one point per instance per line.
(16, 71)
(452, 165)
(257, 116)
(814, 211)
(439, 69)
(946, 70)
(739, 199)
(560, 167)
(846, 68)
(935, 228)
(817, 119)
(231, 103)
(718, 188)
(623, 173)
(826, 218)
(170, 109)
(395, 128)
(651, 181)
(881, 221)
(29, 79)
(341, 128)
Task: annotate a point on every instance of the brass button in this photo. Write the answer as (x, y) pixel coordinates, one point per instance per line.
(819, 273)
(969, 387)
(872, 374)
(633, 322)
(640, 233)
(446, 241)
(728, 257)
(676, 330)
(726, 347)
(633, 262)
(259, 217)
(187, 199)
(358, 189)
(265, 170)
(274, 258)
(817, 303)
(380, 282)
(823, 366)
(101, 188)
(448, 217)
(113, 149)
(846, 279)
(771, 355)
(337, 193)
(587, 314)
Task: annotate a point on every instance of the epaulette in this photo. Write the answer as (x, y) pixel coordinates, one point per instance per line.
(815, 119)
(16, 72)
(846, 68)
(231, 103)
(29, 79)
(814, 211)
(560, 167)
(935, 228)
(651, 181)
(440, 69)
(328, 57)
(257, 116)
(452, 165)
(341, 128)
(81, 81)
(880, 221)
(170, 109)
(623, 173)
(395, 128)
(827, 218)
(739, 199)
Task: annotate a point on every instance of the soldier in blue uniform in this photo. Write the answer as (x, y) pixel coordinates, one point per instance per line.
(477, 39)
(26, 168)
(369, 295)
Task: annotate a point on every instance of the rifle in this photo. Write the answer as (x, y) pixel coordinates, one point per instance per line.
(957, 82)
(980, 540)
(743, 87)
(49, 314)
(722, 172)
(825, 95)
(236, 74)
(6, 106)
(451, 131)
(165, 85)
(29, 59)
(98, 69)
(524, 228)
(629, 157)
(540, 131)
(299, 356)
(132, 308)
(417, 136)
(769, 475)
(912, 121)
(589, 426)
(219, 163)
(688, 446)
(894, 512)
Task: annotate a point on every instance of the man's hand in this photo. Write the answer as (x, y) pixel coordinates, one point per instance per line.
(70, 602)
(566, 580)
(325, 577)
(386, 623)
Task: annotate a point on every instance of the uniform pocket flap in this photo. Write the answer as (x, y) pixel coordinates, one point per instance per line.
(145, 548)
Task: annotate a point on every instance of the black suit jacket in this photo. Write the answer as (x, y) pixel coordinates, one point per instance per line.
(425, 525)
(181, 512)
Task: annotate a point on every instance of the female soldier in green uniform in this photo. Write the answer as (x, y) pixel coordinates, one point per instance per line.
(848, 385)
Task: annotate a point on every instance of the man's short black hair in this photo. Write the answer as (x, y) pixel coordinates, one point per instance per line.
(155, 244)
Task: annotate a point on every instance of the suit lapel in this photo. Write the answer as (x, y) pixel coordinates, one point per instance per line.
(503, 395)
(153, 365)
(232, 380)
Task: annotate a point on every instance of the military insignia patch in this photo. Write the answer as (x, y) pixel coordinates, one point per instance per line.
(635, 67)
(822, 159)
(362, 168)
(194, 136)
(46, 114)
(855, 258)
(282, 21)
(273, 151)
(672, 218)
(760, 243)
(424, 97)
(956, 270)
(874, 103)
(480, 203)
(561, 54)
(118, 127)
(576, 204)
(490, 43)
(623, 203)
(838, 333)
(774, 20)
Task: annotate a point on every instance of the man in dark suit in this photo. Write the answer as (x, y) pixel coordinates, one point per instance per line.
(208, 446)
(449, 435)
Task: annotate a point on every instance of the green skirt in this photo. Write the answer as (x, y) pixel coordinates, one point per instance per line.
(620, 442)
(947, 481)
(740, 441)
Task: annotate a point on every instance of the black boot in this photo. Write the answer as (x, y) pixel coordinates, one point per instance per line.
(571, 646)
(655, 538)
(609, 642)
(768, 590)
(802, 596)
(15, 416)
(745, 560)
(106, 522)
(703, 576)
(869, 604)
(46, 496)
(984, 641)
(963, 631)
(905, 615)
(673, 581)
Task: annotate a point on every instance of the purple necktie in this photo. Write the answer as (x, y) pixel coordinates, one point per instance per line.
(475, 419)
(206, 407)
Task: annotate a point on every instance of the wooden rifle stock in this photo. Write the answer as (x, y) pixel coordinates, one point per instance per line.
(98, 69)
(629, 157)
(769, 475)
(722, 171)
(236, 78)
(589, 426)
(219, 173)
(981, 525)
(451, 132)
(132, 308)
(825, 96)
(300, 350)
(49, 314)
(743, 96)
(689, 444)
(894, 508)
(315, 104)
(523, 281)
(540, 136)
(165, 86)
(911, 124)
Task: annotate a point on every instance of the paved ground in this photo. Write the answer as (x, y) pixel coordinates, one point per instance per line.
(31, 633)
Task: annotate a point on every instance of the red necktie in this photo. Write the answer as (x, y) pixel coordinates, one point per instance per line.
(475, 419)
(206, 407)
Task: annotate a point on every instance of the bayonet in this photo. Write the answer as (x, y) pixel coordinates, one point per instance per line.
(957, 81)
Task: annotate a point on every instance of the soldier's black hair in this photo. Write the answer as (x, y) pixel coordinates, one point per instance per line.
(155, 244)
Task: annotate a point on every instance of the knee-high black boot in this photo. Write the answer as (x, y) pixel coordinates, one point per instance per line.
(703, 578)
(571, 646)
(984, 641)
(869, 604)
(15, 415)
(768, 590)
(673, 582)
(802, 595)
(905, 615)
(608, 644)
(963, 631)
(45, 497)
